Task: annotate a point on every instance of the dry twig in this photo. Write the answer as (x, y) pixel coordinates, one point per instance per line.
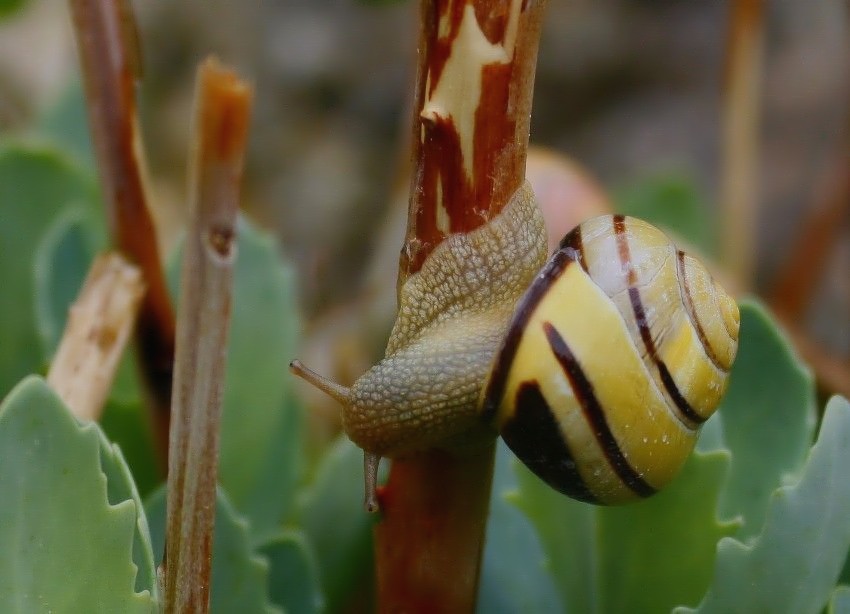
(96, 334)
(221, 124)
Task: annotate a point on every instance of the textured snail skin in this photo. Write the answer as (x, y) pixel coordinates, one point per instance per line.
(617, 353)
(453, 314)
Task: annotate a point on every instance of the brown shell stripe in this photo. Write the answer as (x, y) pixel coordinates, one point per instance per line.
(692, 313)
(535, 437)
(573, 241)
(594, 414)
(525, 308)
(643, 326)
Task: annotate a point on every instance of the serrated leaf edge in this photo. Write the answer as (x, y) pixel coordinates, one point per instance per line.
(777, 496)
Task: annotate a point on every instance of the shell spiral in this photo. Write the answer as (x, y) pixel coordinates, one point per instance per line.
(616, 354)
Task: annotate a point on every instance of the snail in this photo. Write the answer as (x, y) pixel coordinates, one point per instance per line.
(597, 366)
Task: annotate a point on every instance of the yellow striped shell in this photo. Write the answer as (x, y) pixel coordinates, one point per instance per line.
(607, 359)
(617, 353)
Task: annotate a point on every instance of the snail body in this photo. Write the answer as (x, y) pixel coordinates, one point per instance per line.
(597, 366)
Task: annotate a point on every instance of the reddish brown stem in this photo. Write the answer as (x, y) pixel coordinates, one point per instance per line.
(433, 566)
(805, 266)
(473, 108)
(221, 125)
(108, 51)
(470, 135)
(819, 232)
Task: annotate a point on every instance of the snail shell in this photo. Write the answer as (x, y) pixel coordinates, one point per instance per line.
(617, 353)
(598, 368)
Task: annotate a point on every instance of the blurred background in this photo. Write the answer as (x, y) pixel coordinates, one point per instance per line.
(632, 91)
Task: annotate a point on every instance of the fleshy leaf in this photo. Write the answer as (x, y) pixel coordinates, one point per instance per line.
(63, 546)
(62, 259)
(293, 573)
(335, 523)
(513, 574)
(121, 487)
(66, 123)
(568, 534)
(35, 184)
(659, 552)
(239, 576)
(768, 418)
(261, 420)
(840, 601)
(127, 425)
(643, 557)
(792, 565)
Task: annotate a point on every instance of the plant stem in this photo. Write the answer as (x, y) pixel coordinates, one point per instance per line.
(741, 119)
(819, 232)
(473, 108)
(805, 266)
(109, 56)
(470, 135)
(96, 334)
(221, 124)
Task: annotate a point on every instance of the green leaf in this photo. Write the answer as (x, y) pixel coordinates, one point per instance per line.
(9, 7)
(335, 523)
(62, 260)
(239, 576)
(792, 565)
(63, 546)
(128, 426)
(768, 417)
(840, 601)
(66, 124)
(568, 534)
(660, 552)
(261, 421)
(669, 200)
(121, 487)
(644, 557)
(35, 184)
(513, 575)
(293, 576)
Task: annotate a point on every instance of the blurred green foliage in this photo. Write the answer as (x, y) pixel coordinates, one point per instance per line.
(10, 7)
(670, 201)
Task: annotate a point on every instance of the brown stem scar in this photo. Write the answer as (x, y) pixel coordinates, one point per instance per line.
(221, 240)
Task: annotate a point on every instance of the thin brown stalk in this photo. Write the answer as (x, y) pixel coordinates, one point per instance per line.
(739, 156)
(109, 57)
(819, 233)
(823, 224)
(470, 132)
(223, 104)
(98, 328)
